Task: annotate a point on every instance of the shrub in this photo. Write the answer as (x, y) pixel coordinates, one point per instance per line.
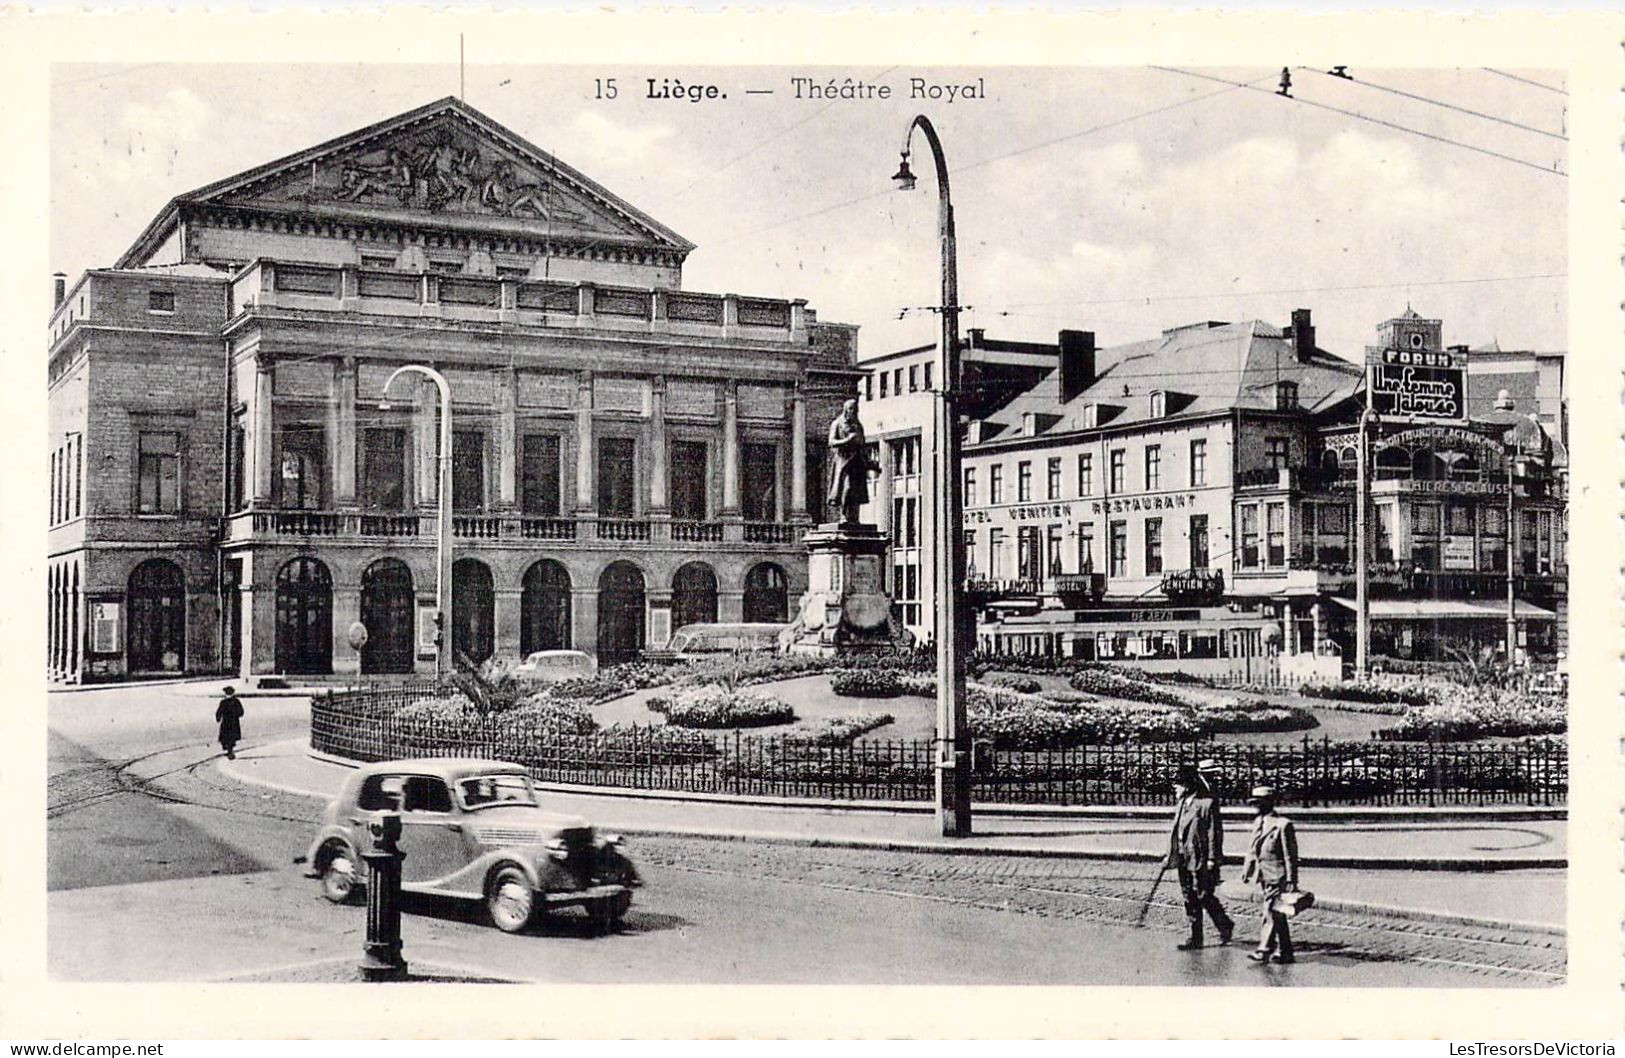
(1109, 683)
(1253, 714)
(1012, 720)
(590, 689)
(839, 730)
(718, 707)
(1367, 692)
(1469, 713)
(541, 713)
(917, 685)
(1024, 684)
(866, 683)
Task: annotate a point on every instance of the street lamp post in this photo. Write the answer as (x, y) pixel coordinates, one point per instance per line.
(442, 586)
(1503, 402)
(953, 742)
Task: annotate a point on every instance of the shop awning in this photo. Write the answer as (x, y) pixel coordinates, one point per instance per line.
(1440, 609)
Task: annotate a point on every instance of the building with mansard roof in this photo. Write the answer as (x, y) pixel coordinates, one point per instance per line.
(231, 491)
(1187, 501)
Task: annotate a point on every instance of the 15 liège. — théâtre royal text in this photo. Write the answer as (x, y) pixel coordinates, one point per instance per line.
(676, 89)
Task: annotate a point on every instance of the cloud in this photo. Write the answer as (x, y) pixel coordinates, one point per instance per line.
(617, 143)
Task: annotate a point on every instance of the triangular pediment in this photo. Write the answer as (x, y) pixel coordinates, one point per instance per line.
(444, 165)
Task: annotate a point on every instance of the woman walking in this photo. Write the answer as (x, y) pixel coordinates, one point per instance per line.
(228, 715)
(1272, 858)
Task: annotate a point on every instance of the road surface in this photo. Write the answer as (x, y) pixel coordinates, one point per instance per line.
(161, 868)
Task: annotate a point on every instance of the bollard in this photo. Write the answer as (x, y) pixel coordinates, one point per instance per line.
(382, 959)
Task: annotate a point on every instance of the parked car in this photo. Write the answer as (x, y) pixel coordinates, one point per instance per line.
(473, 829)
(554, 665)
(709, 640)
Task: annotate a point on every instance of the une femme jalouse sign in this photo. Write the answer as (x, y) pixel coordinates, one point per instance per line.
(1400, 386)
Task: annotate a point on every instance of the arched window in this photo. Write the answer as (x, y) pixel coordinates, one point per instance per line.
(693, 596)
(157, 601)
(304, 618)
(388, 608)
(544, 608)
(767, 595)
(473, 610)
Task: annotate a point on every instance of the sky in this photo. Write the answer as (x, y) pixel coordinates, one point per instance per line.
(1119, 200)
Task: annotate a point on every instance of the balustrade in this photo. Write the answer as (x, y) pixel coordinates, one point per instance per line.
(697, 532)
(769, 533)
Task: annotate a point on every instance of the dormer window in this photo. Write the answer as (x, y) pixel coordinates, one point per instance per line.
(1159, 404)
(1286, 396)
(1029, 424)
(973, 428)
(1091, 415)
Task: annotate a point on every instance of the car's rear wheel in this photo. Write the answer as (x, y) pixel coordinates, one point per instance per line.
(340, 882)
(510, 900)
(616, 908)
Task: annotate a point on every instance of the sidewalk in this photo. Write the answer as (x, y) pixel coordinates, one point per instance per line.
(1487, 870)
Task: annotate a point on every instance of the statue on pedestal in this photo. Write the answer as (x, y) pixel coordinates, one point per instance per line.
(849, 464)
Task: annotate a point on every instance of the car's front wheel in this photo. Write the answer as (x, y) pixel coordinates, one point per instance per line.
(340, 882)
(510, 900)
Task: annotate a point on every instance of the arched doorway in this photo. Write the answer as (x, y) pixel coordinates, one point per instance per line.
(157, 598)
(544, 608)
(304, 618)
(473, 610)
(620, 613)
(693, 596)
(387, 609)
(767, 594)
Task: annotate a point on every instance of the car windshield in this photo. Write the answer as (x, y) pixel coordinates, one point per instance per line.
(483, 791)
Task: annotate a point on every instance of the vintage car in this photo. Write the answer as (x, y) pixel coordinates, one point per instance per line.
(473, 829)
(698, 641)
(552, 666)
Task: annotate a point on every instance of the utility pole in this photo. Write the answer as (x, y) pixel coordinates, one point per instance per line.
(1362, 547)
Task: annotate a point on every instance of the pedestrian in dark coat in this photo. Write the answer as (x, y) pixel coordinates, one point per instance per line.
(1272, 859)
(1195, 849)
(229, 714)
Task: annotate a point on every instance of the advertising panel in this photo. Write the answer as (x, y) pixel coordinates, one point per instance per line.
(1405, 391)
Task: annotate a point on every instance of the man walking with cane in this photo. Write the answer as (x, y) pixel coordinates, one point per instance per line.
(1195, 850)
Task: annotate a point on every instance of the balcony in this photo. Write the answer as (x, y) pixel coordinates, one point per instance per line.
(1296, 479)
(769, 533)
(251, 525)
(687, 532)
(631, 529)
(544, 528)
(274, 285)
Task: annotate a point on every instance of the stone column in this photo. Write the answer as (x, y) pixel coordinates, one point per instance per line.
(730, 449)
(657, 624)
(344, 449)
(586, 498)
(798, 456)
(584, 619)
(263, 426)
(657, 446)
(730, 606)
(506, 632)
(507, 440)
(346, 611)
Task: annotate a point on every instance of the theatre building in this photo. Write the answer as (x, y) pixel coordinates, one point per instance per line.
(233, 488)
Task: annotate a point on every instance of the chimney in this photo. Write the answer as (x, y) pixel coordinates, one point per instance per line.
(59, 285)
(1303, 335)
(974, 337)
(1077, 362)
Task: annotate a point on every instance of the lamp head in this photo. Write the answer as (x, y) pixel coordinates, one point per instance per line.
(904, 177)
(1503, 400)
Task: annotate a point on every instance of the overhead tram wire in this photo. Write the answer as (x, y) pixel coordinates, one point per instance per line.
(958, 169)
(1525, 80)
(1377, 121)
(1438, 103)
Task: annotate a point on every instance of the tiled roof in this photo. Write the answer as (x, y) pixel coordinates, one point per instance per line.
(1204, 367)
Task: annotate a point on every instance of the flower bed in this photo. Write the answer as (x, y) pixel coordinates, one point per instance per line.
(866, 683)
(1109, 683)
(714, 707)
(1010, 719)
(1459, 717)
(1367, 693)
(840, 730)
(1253, 714)
(1015, 682)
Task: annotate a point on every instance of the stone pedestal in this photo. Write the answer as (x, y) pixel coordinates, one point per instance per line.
(846, 609)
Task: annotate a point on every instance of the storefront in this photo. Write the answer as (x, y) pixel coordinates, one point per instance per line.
(1430, 629)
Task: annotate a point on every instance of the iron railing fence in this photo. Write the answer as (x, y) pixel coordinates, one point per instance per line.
(367, 725)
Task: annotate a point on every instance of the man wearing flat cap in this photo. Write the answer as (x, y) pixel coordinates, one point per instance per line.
(1272, 859)
(1195, 849)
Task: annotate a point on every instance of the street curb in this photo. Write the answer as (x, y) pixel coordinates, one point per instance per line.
(1418, 863)
(1372, 814)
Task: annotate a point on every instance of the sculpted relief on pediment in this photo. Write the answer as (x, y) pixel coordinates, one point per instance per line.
(439, 171)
